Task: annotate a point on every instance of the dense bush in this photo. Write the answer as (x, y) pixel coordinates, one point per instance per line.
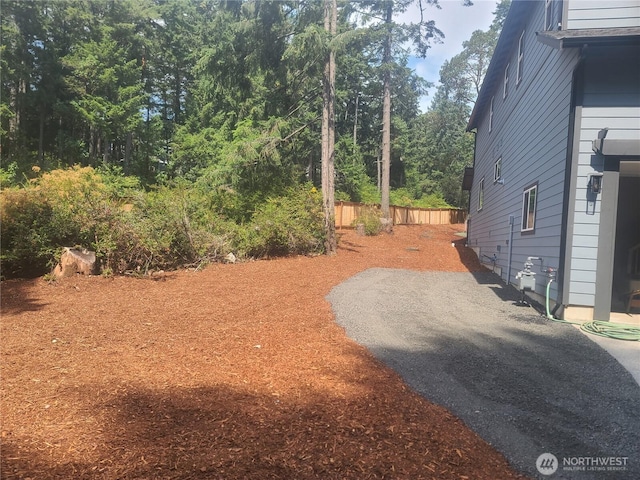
(403, 197)
(369, 216)
(132, 230)
(27, 238)
(174, 226)
(60, 208)
(289, 224)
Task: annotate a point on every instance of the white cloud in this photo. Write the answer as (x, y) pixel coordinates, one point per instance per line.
(457, 22)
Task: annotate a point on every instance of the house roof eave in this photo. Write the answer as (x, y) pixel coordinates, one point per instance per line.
(513, 25)
(594, 37)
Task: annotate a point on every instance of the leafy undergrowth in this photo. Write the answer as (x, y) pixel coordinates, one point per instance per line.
(234, 371)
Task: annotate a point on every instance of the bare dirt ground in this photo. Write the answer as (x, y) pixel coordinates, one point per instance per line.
(235, 371)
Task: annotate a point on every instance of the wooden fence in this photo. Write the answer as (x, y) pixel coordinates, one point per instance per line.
(347, 213)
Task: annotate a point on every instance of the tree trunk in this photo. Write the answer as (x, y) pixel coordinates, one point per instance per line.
(105, 154)
(165, 126)
(355, 127)
(96, 145)
(59, 139)
(41, 139)
(127, 153)
(386, 117)
(16, 102)
(310, 175)
(176, 96)
(378, 166)
(328, 133)
(13, 106)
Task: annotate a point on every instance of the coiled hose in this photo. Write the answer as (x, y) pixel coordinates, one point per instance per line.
(618, 331)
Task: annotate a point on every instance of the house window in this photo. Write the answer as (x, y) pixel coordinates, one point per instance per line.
(552, 14)
(481, 194)
(505, 90)
(529, 201)
(548, 15)
(520, 58)
(497, 170)
(491, 115)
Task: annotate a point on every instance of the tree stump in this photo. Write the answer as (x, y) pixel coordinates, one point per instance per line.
(74, 261)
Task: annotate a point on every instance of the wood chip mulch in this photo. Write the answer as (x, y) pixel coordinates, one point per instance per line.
(231, 372)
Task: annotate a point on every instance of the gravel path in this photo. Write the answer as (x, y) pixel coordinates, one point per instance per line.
(526, 385)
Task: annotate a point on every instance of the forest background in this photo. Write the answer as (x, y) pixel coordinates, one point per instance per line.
(166, 133)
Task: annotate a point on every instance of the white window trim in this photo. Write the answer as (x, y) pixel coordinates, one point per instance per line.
(491, 115)
(520, 58)
(526, 210)
(553, 15)
(481, 194)
(505, 89)
(548, 14)
(497, 170)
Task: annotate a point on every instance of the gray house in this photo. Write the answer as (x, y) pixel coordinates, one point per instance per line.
(556, 173)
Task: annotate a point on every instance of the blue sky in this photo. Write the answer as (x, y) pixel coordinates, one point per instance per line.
(457, 23)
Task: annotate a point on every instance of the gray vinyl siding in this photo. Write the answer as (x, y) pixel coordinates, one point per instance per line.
(530, 134)
(610, 83)
(602, 14)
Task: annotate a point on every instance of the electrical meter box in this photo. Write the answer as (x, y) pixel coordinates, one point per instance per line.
(527, 280)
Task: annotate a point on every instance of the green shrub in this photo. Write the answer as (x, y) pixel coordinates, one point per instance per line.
(60, 208)
(285, 225)
(8, 175)
(342, 196)
(132, 230)
(28, 240)
(369, 193)
(433, 200)
(403, 197)
(352, 181)
(173, 227)
(369, 216)
(80, 202)
(118, 185)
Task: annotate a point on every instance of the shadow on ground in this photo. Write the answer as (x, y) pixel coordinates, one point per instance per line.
(526, 385)
(17, 298)
(199, 433)
(227, 432)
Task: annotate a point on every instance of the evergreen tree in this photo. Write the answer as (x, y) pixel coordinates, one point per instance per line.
(440, 146)
(379, 14)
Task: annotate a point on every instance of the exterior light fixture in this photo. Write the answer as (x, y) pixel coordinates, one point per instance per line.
(595, 183)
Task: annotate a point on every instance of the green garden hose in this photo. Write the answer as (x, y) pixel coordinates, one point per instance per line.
(618, 331)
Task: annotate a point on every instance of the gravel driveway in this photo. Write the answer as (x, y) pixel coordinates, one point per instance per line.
(526, 385)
